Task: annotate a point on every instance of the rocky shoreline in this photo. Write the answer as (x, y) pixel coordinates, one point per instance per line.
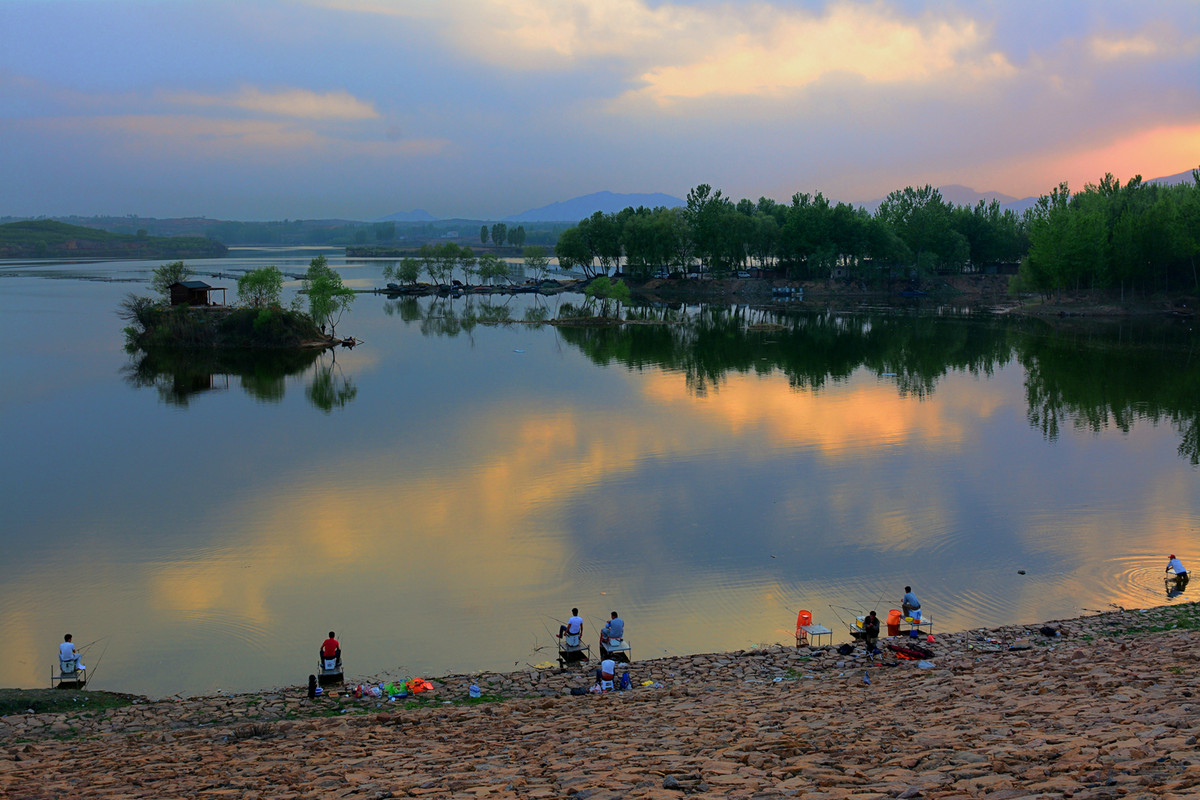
(1107, 709)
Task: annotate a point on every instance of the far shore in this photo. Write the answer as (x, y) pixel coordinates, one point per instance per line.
(988, 293)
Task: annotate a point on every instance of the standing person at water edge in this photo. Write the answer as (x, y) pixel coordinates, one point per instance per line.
(910, 603)
(613, 629)
(66, 652)
(1176, 566)
(331, 648)
(574, 625)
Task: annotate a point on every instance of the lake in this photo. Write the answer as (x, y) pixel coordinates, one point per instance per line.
(444, 494)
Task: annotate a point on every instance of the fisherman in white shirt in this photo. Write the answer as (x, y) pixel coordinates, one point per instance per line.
(67, 654)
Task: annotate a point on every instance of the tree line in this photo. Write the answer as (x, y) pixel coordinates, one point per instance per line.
(1107, 236)
(1139, 236)
(441, 261)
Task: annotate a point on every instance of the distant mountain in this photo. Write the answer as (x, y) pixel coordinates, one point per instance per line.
(1019, 206)
(966, 196)
(1171, 180)
(580, 207)
(416, 215)
(45, 238)
(958, 195)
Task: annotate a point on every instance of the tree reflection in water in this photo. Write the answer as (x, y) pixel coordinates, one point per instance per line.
(179, 376)
(1092, 375)
(330, 388)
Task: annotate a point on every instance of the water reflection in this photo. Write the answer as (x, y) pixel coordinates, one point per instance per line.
(452, 316)
(706, 472)
(179, 376)
(1092, 378)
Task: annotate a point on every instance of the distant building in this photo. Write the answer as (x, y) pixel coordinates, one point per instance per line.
(194, 293)
(450, 235)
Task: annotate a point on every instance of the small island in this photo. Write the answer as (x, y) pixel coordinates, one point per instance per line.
(50, 239)
(183, 315)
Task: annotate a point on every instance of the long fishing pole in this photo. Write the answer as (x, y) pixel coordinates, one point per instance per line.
(878, 600)
(834, 609)
(98, 660)
(82, 647)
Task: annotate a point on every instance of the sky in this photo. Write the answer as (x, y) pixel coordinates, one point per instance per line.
(355, 109)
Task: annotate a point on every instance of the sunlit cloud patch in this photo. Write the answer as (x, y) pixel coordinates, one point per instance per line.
(299, 103)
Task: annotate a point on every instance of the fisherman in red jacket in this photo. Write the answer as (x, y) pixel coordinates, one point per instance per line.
(330, 648)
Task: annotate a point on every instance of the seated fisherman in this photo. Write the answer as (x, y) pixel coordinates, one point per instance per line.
(606, 671)
(870, 629)
(67, 654)
(613, 629)
(331, 648)
(910, 603)
(574, 626)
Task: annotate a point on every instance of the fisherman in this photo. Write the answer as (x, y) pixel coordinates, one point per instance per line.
(870, 632)
(910, 603)
(574, 626)
(613, 629)
(606, 671)
(67, 654)
(331, 648)
(1176, 566)
(1181, 573)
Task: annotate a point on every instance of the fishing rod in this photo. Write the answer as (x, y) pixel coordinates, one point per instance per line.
(878, 600)
(82, 647)
(98, 660)
(834, 609)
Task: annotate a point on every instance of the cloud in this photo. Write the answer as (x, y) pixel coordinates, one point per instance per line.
(196, 136)
(1157, 42)
(673, 50)
(297, 103)
(797, 50)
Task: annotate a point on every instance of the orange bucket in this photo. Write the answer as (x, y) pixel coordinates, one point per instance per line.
(893, 622)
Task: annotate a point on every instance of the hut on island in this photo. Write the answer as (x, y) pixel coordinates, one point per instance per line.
(194, 293)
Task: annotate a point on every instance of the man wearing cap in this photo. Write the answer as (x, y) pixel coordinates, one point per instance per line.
(1181, 574)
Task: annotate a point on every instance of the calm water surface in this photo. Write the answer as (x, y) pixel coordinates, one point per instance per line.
(443, 495)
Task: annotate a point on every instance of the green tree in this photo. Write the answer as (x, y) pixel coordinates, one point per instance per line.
(491, 267)
(328, 297)
(162, 277)
(573, 252)
(467, 263)
(261, 288)
(499, 234)
(922, 221)
(385, 231)
(607, 291)
(483, 234)
(705, 214)
(536, 261)
(427, 254)
(406, 271)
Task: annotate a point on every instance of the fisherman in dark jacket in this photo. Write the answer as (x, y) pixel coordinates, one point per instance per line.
(870, 629)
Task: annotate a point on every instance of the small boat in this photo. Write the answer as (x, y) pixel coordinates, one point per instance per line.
(329, 671)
